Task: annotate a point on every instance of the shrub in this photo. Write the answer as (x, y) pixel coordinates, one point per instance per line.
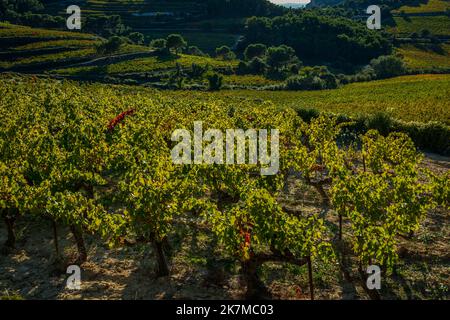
(136, 37)
(433, 136)
(242, 68)
(425, 33)
(197, 71)
(380, 121)
(215, 81)
(312, 78)
(195, 51)
(257, 66)
(158, 43)
(225, 53)
(255, 50)
(279, 57)
(307, 114)
(302, 82)
(113, 44)
(388, 66)
(175, 42)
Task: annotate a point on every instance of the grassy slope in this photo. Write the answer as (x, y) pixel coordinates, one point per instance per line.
(16, 31)
(130, 9)
(249, 80)
(417, 58)
(147, 65)
(412, 98)
(72, 45)
(438, 25)
(430, 6)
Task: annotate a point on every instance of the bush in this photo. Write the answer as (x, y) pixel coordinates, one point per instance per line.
(433, 136)
(257, 66)
(225, 53)
(242, 68)
(388, 66)
(197, 71)
(175, 42)
(425, 33)
(331, 82)
(307, 114)
(136, 37)
(312, 78)
(195, 51)
(302, 82)
(380, 121)
(215, 81)
(112, 45)
(255, 50)
(160, 45)
(279, 57)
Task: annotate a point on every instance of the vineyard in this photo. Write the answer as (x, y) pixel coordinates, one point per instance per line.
(89, 166)
(429, 6)
(416, 57)
(224, 150)
(419, 98)
(33, 48)
(438, 25)
(148, 64)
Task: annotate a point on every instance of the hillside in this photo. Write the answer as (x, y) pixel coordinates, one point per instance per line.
(224, 149)
(430, 6)
(60, 128)
(145, 13)
(323, 3)
(32, 49)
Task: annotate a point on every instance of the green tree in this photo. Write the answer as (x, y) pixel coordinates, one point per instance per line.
(112, 45)
(255, 50)
(279, 57)
(136, 37)
(159, 44)
(195, 51)
(175, 42)
(225, 53)
(388, 66)
(215, 81)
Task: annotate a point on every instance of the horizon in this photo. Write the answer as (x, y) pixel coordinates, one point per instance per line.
(290, 1)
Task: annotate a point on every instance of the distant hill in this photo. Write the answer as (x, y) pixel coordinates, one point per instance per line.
(293, 5)
(180, 8)
(159, 13)
(322, 3)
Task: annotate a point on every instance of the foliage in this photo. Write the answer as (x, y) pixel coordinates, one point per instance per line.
(215, 81)
(312, 34)
(105, 25)
(64, 157)
(425, 56)
(175, 42)
(437, 25)
(136, 37)
(255, 50)
(383, 198)
(194, 50)
(388, 66)
(315, 78)
(225, 53)
(280, 57)
(112, 45)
